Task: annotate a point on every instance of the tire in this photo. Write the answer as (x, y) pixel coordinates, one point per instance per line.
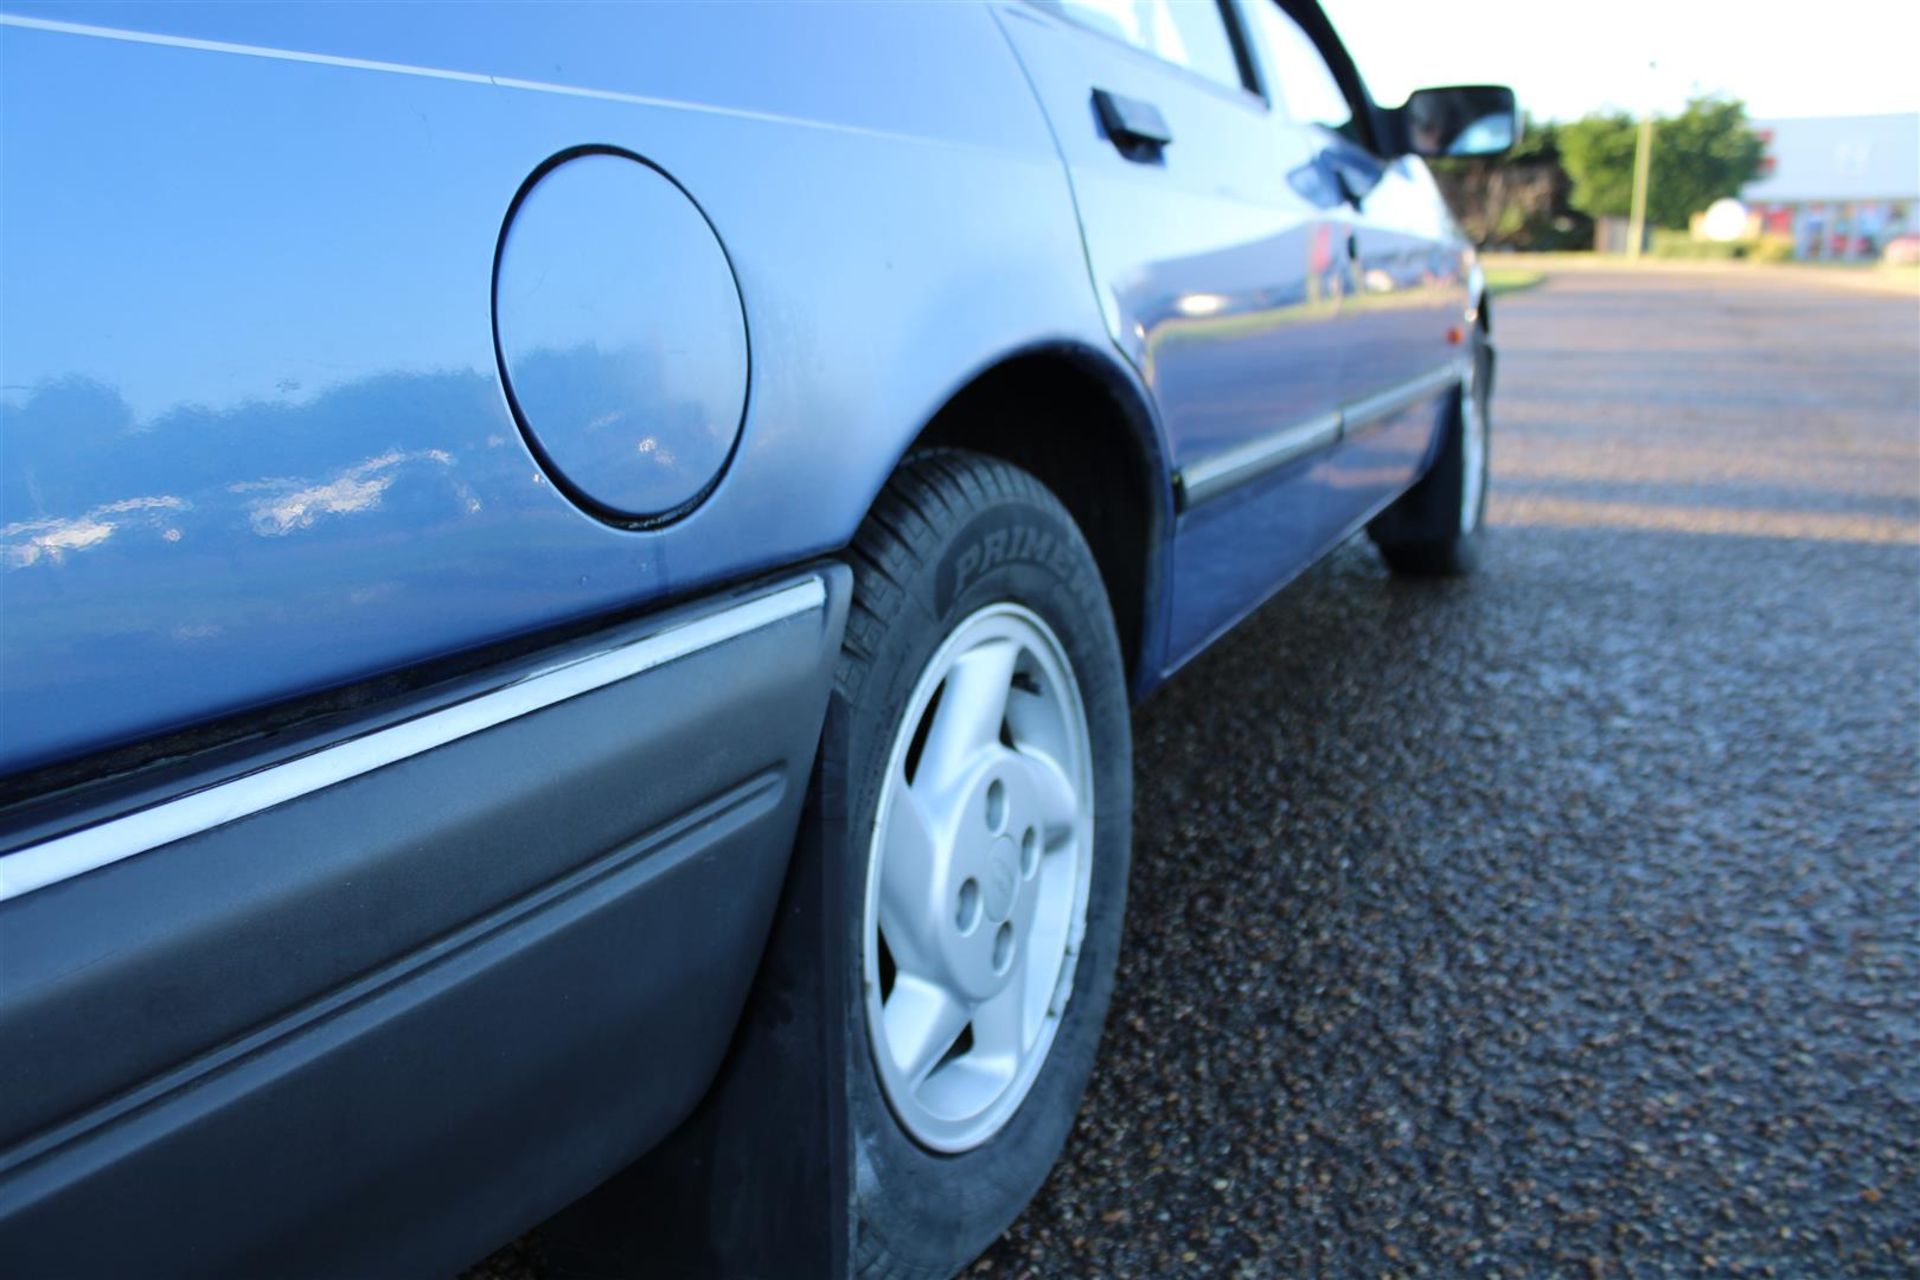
(957, 542)
(1435, 529)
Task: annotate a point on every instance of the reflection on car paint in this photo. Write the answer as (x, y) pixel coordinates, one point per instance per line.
(282, 292)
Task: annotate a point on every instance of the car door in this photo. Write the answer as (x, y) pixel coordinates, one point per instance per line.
(1407, 337)
(1400, 330)
(1216, 243)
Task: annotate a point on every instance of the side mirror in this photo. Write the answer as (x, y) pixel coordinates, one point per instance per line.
(1462, 120)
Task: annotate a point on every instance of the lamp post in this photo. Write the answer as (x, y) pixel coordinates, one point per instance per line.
(1642, 164)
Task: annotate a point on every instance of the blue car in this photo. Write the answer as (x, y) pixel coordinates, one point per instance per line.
(574, 577)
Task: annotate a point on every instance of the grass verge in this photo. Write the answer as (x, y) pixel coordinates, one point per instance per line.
(1511, 280)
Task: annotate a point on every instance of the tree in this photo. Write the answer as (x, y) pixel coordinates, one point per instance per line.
(1517, 200)
(1699, 156)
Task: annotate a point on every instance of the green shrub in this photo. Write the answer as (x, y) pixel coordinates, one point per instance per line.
(1679, 244)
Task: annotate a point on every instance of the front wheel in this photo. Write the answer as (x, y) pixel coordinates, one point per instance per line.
(977, 750)
(1435, 528)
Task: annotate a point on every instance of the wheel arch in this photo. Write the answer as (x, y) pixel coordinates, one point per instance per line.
(1080, 423)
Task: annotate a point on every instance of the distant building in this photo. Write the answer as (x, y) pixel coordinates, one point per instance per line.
(1841, 186)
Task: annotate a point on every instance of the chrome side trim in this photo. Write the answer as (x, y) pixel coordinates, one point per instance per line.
(51, 861)
(1364, 414)
(1210, 477)
(650, 855)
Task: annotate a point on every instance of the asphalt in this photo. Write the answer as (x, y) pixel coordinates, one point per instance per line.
(1563, 921)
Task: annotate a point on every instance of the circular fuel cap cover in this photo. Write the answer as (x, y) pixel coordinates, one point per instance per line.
(622, 339)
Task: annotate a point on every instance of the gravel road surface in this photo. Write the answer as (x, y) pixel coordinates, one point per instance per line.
(1565, 921)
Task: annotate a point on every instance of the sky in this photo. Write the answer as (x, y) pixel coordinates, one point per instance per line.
(1854, 57)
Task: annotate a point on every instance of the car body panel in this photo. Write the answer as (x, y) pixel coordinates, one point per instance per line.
(1405, 319)
(436, 1000)
(1220, 264)
(257, 444)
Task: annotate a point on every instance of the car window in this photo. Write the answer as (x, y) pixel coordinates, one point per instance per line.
(1302, 84)
(1188, 33)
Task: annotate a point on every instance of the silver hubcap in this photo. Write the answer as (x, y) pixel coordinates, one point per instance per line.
(1473, 450)
(977, 878)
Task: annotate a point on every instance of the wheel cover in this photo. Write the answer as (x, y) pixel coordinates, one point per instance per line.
(977, 878)
(1473, 449)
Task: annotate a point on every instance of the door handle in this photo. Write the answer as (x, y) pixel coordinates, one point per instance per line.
(1137, 128)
